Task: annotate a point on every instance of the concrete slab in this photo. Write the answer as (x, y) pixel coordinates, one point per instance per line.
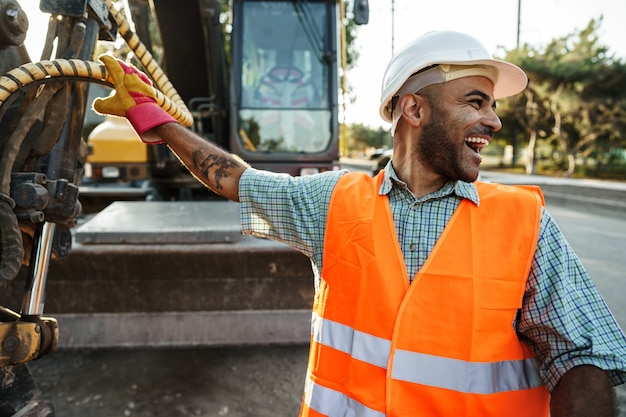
(184, 329)
(161, 222)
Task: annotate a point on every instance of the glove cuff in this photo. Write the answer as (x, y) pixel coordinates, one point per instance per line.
(146, 116)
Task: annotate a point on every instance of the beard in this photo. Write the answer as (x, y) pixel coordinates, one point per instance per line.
(442, 153)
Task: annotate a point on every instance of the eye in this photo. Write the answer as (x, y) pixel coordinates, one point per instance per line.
(477, 102)
(480, 103)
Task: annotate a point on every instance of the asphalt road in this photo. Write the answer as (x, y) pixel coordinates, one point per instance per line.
(600, 243)
(264, 381)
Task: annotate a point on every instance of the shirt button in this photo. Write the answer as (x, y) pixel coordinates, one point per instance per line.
(413, 247)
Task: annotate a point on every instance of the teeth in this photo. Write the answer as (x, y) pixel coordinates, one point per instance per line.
(481, 141)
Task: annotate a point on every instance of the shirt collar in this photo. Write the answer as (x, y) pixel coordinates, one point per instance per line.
(460, 188)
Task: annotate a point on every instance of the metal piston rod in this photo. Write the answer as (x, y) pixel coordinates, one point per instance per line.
(28, 336)
(35, 293)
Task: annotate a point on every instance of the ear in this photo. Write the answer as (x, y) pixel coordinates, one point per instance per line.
(415, 109)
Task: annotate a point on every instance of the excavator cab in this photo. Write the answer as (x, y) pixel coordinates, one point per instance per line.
(284, 99)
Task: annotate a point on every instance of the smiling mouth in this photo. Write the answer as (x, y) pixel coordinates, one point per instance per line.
(476, 143)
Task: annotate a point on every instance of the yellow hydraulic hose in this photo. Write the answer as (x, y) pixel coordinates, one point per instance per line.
(11, 247)
(39, 72)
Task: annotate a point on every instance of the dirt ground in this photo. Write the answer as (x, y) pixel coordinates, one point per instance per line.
(208, 382)
(205, 382)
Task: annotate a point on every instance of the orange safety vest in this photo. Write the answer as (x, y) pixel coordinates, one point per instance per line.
(444, 345)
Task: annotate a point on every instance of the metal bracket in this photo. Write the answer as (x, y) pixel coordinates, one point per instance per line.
(23, 339)
(74, 8)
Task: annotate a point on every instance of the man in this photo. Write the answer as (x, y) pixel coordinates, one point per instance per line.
(435, 295)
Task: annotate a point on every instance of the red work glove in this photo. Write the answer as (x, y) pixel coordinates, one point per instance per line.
(133, 98)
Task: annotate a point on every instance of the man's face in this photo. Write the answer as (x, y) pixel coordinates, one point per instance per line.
(462, 122)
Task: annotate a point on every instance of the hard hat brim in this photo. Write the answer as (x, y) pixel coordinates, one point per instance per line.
(511, 78)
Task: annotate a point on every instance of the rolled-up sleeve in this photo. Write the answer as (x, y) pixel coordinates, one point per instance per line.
(564, 317)
(287, 209)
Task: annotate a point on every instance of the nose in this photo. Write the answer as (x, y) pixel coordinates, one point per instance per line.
(492, 120)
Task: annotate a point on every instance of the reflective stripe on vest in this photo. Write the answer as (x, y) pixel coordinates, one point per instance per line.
(467, 377)
(329, 402)
(447, 373)
(362, 346)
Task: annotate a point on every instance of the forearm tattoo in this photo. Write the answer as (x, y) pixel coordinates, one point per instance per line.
(217, 164)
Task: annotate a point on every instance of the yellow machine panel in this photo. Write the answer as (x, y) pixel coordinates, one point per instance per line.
(115, 142)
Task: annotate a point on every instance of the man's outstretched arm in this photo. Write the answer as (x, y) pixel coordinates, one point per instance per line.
(213, 166)
(134, 98)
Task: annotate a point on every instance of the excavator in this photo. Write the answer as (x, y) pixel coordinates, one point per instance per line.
(262, 78)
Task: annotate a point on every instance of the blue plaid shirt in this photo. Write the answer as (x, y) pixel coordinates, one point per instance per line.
(563, 316)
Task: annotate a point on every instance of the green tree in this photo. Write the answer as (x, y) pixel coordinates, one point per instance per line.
(361, 137)
(352, 31)
(597, 128)
(574, 100)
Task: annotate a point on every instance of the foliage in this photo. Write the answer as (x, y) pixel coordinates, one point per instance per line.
(361, 137)
(575, 101)
(352, 52)
(352, 30)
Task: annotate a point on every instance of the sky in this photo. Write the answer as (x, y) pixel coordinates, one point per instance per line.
(494, 22)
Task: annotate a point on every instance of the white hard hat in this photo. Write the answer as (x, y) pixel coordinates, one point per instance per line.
(446, 47)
